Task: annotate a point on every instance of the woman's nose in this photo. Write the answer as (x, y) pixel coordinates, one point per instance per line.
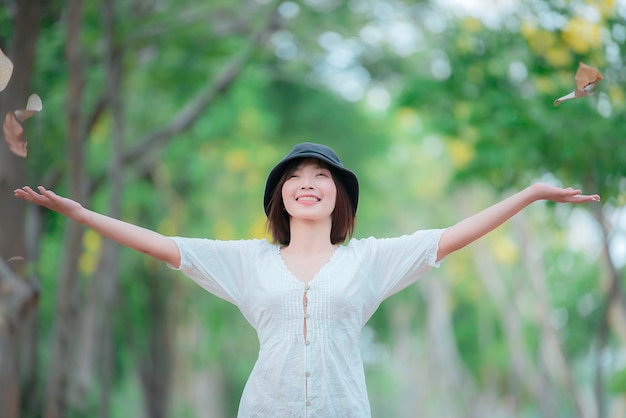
(307, 183)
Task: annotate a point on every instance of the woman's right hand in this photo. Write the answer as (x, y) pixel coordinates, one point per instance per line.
(52, 201)
(127, 234)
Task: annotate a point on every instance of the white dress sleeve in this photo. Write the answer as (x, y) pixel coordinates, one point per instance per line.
(219, 267)
(396, 263)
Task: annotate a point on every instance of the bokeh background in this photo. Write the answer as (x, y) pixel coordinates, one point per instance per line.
(169, 114)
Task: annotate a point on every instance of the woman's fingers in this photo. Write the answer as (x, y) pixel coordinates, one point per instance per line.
(48, 193)
(580, 198)
(44, 198)
(24, 192)
(571, 195)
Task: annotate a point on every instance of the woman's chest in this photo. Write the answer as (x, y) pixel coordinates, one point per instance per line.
(338, 293)
(305, 268)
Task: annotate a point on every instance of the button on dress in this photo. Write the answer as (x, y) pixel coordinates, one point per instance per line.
(320, 376)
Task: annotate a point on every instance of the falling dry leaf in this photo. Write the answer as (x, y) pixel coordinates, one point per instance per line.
(13, 130)
(6, 70)
(33, 106)
(14, 135)
(587, 78)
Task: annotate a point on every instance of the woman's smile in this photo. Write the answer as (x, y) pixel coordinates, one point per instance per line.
(308, 199)
(311, 185)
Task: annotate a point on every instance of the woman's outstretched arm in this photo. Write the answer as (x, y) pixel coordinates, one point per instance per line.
(129, 235)
(480, 224)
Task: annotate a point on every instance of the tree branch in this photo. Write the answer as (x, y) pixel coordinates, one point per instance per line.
(189, 114)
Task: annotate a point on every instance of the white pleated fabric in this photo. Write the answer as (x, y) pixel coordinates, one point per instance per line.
(321, 376)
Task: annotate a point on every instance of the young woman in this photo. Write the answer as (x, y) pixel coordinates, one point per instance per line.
(307, 295)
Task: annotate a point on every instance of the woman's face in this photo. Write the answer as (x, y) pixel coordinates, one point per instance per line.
(309, 193)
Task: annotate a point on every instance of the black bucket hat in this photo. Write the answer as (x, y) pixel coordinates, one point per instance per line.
(323, 153)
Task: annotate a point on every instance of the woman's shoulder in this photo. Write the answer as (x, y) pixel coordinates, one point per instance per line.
(252, 244)
(372, 241)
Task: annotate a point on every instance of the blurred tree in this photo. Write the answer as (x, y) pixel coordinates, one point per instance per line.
(493, 109)
(180, 108)
(19, 293)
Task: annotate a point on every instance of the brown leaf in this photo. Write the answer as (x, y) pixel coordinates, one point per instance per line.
(568, 96)
(6, 70)
(586, 78)
(13, 130)
(33, 106)
(14, 135)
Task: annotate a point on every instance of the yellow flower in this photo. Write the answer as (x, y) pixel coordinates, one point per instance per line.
(236, 160)
(581, 35)
(257, 228)
(471, 24)
(540, 41)
(616, 93)
(461, 153)
(88, 261)
(544, 84)
(559, 57)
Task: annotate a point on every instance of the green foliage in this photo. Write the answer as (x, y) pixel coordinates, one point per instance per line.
(577, 303)
(617, 383)
(442, 133)
(514, 128)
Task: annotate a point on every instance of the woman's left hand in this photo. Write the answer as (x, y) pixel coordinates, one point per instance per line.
(562, 195)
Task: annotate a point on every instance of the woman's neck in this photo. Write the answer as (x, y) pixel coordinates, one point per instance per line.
(309, 237)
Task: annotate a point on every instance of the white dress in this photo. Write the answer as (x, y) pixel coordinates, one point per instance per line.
(322, 376)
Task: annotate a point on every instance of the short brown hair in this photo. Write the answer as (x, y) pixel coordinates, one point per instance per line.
(343, 216)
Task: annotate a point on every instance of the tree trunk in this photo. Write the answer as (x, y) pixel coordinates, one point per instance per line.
(445, 366)
(95, 347)
(11, 314)
(18, 297)
(524, 372)
(552, 353)
(155, 365)
(203, 390)
(554, 362)
(61, 362)
(614, 313)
